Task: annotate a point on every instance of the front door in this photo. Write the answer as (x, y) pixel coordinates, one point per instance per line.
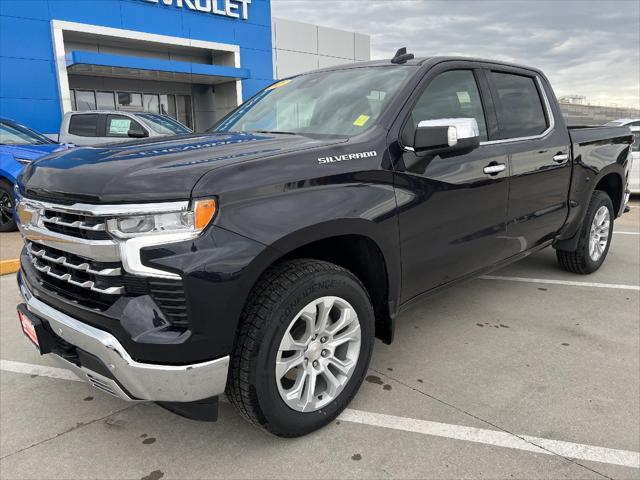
(452, 215)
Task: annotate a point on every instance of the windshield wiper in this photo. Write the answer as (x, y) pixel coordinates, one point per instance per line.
(276, 132)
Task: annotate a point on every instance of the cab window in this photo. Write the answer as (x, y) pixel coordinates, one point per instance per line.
(84, 125)
(119, 126)
(452, 94)
(518, 106)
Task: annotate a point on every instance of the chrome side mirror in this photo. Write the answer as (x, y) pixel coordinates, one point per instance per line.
(446, 135)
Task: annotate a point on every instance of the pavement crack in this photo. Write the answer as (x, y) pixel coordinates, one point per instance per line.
(463, 411)
(69, 430)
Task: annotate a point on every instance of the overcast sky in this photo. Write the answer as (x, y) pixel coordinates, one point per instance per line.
(586, 47)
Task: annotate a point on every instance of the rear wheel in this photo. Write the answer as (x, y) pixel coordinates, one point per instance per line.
(7, 221)
(595, 237)
(303, 348)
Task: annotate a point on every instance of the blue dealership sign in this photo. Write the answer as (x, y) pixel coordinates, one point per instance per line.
(198, 45)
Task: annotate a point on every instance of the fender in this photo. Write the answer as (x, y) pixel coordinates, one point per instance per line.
(587, 174)
(326, 241)
(231, 264)
(9, 168)
(388, 247)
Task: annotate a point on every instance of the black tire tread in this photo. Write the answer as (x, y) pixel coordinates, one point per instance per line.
(262, 303)
(6, 185)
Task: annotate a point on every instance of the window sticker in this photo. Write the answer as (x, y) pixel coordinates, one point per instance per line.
(464, 97)
(119, 126)
(278, 84)
(361, 120)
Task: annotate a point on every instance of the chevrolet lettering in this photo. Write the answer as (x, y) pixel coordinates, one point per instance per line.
(227, 8)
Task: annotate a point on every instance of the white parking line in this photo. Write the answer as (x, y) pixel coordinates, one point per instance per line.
(562, 282)
(496, 438)
(620, 232)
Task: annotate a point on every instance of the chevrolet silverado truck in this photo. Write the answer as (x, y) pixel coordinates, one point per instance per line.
(261, 259)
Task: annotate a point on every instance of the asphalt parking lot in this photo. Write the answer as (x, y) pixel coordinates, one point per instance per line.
(530, 373)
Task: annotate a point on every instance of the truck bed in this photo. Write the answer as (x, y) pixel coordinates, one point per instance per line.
(587, 134)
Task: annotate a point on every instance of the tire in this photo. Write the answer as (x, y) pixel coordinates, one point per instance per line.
(7, 204)
(275, 302)
(582, 259)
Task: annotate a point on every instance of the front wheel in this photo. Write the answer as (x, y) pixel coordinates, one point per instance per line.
(303, 348)
(595, 237)
(7, 220)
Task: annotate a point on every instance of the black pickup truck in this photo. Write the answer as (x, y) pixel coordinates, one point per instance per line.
(261, 259)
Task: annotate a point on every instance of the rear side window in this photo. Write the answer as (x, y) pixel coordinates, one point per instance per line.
(519, 106)
(85, 125)
(119, 126)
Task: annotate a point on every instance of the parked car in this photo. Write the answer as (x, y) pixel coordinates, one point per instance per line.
(261, 259)
(105, 126)
(634, 173)
(19, 146)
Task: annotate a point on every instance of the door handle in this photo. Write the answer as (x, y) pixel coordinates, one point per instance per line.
(494, 169)
(561, 157)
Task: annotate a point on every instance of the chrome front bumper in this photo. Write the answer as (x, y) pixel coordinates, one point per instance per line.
(135, 381)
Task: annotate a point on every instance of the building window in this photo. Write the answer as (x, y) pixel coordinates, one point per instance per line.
(178, 107)
(168, 105)
(183, 103)
(85, 100)
(129, 101)
(151, 103)
(105, 101)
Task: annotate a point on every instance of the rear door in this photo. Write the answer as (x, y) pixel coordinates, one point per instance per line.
(538, 146)
(452, 214)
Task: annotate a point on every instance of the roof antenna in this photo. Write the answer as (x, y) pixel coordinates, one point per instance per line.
(402, 56)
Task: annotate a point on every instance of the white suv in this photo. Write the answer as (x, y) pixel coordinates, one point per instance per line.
(634, 174)
(99, 127)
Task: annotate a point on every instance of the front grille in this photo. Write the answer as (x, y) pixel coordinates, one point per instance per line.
(98, 285)
(103, 278)
(74, 225)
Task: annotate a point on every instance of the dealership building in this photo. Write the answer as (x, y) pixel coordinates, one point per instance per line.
(194, 60)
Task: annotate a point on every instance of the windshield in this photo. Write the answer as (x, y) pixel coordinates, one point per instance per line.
(163, 125)
(339, 103)
(13, 134)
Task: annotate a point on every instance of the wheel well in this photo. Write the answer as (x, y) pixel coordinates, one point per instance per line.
(362, 257)
(612, 186)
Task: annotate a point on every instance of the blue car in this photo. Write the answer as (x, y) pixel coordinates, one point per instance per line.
(19, 146)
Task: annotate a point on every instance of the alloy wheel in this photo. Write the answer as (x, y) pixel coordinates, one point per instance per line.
(318, 354)
(599, 234)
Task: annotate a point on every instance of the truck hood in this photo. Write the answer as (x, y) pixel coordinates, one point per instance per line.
(163, 169)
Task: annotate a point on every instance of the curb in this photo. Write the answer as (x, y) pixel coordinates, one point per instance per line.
(9, 266)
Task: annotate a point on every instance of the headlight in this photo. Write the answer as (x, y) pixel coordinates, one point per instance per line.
(23, 161)
(192, 221)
